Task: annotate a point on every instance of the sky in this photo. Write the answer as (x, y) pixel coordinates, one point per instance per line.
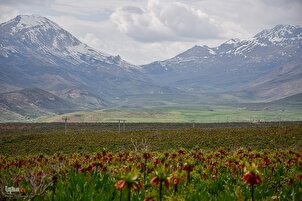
(143, 31)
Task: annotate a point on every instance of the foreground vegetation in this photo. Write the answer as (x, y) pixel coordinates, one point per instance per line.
(89, 163)
(174, 175)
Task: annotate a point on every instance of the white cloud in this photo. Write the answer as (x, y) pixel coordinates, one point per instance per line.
(165, 21)
(7, 13)
(74, 25)
(88, 7)
(244, 18)
(91, 39)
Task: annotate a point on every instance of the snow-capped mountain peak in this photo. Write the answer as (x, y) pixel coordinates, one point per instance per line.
(32, 33)
(197, 51)
(228, 45)
(30, 21)
(279, 34)
(37, 31)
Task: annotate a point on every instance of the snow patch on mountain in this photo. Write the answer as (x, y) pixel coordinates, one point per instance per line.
(26, 21)
(211, 51)
(280, 34)
(32, 22)
(232, 41)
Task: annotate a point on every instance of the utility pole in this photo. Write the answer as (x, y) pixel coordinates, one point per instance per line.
(193, 124)
(119, 125)
(124, 127)
(65, 120)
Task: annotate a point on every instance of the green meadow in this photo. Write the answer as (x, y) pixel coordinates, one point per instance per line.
(200, 114)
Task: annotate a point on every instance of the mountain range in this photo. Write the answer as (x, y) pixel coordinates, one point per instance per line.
(267, 66)
(39, 59)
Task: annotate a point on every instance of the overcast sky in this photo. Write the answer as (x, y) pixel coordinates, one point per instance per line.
(142, 31)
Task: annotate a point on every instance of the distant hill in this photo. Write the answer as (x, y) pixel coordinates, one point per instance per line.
(290, 100)
(32, 103)
(84, 99)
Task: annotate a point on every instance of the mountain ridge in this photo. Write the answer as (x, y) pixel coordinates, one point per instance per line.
(233, 65)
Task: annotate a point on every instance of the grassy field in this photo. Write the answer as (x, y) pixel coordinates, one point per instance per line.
(151, 162)
(24, 139)
(202, 114)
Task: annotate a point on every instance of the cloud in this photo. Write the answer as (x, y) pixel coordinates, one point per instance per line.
(7, 13)
(88, 7)
(26, 2)
(283, 3)
(165, 21)
(244, 18)
(77, 27)
(91, 39)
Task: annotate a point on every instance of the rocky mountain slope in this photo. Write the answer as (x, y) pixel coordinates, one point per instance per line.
(267, 66)
(36, 52)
